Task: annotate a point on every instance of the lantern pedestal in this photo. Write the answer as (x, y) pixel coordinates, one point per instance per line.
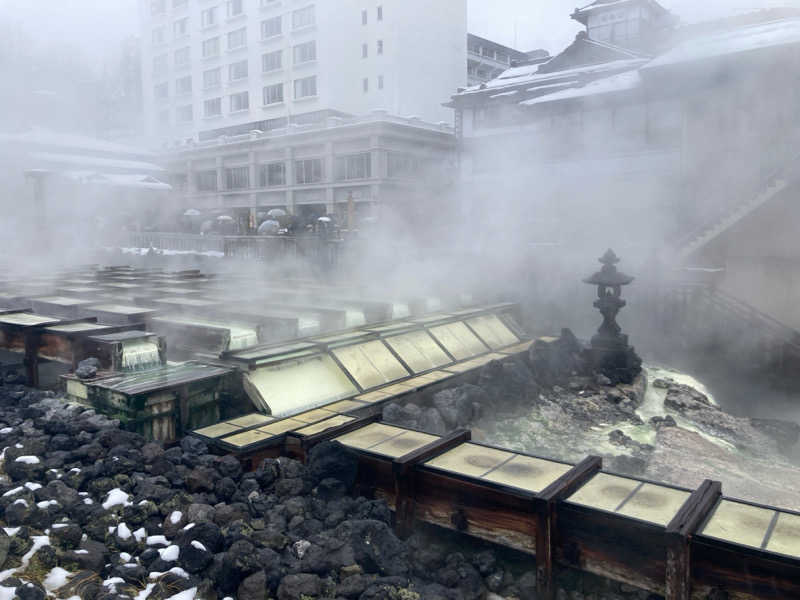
(610, 352)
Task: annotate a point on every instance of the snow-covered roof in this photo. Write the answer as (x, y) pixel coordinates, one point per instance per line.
(94, 161)
(119, 180)
(527, 75)
(616, 83)
(44, 137)
(743, 39)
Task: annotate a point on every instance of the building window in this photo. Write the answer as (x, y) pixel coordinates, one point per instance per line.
(272, 174)
(305, 88)
(365, 84)
(303, 17)
(159, 64)
(380, 13)
(237, 71)
(183, 114)
(213, 107)
(380, 46)
(237, 39)
(212, 78)
(237, 178)
(240, 101)
(273, 94)
(364, 50)
(206, 181)
(304, 53)
(272, 61)
(180, 28)
(183, 85)
(235, 8)
(182, 57)
(158, 7)
(355, 166)
(271, 27)
(209, 17)
(380, 82)
(364, 17)
(158, 35)
(401, 165)
(308, 171)
(161, 91)
(211, 48)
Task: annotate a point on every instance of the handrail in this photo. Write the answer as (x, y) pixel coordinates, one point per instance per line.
(761, 186)
(723, 300)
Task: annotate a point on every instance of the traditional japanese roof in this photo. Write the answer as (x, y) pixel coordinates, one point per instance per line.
(582, 14)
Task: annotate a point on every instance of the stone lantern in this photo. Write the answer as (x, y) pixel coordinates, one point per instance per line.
(610, 353)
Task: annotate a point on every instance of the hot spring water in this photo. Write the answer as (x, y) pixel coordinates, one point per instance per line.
(139, 355)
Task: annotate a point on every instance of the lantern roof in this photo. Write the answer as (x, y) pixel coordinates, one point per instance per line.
(608, 275)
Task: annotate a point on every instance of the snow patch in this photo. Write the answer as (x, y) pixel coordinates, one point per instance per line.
(175, 517)
(56, 578)
(32, 486)
(198, 545)
(170, 553)
(123, 532)
(154, 540)
(116, 497)
(28, 460)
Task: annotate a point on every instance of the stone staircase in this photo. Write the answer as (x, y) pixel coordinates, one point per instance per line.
(726, 220)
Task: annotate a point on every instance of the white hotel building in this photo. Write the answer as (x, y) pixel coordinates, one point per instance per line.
(271, 72)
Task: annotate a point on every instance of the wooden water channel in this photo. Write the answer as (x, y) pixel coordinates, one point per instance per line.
(677, 542)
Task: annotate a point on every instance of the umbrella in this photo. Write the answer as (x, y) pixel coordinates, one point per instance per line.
(224, 218)
(269, 227)
(325, 220)
(276, 212)
(192, 212)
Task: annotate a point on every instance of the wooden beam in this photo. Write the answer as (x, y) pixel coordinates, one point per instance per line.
(545, 509)
(404, 476)
(679, 531)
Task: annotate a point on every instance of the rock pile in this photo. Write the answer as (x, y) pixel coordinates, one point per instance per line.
(91, 512)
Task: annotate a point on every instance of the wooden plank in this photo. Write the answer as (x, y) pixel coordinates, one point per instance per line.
(545, 503)
(299, 445)
(404, 476)
(683, 525)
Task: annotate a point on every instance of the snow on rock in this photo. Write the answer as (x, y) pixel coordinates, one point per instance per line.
(16, 490)
(46, 503)
(28, 460)
(7, 593)
(33, 486)
(56, 578)
(116, 497)
(39, 541)
(11, 530)
(6, 430)
(170, 553)
(140, 534)
(155, 540)
(198, 545)
(123, 532)
(175, 517)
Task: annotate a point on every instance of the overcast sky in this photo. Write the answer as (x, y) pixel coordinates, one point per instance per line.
(98, 25)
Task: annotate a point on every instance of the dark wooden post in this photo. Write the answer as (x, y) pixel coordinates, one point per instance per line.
(545, 509)
(679, 532)
(403, 475)
(31, 360)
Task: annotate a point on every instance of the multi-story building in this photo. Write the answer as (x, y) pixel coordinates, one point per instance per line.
(487, 59)
(340, 167)
(675, 152)
(228, 67)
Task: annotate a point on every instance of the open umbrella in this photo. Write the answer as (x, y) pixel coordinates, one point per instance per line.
(192, 212)
(224, 218)
(325, 220)
(276, 212)
(269, 227)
